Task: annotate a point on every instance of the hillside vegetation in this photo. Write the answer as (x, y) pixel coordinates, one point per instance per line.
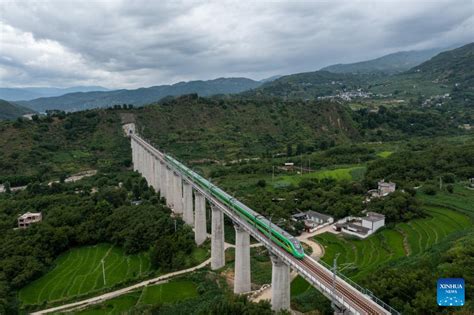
(58, 145)
(310, 85)
(390, 64)
(193, 127)
(11, 111)
(448, 72)
(141, 96)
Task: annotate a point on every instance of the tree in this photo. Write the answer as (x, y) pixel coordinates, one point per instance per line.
(450, 188)
(261, 183)
(299, 148)
(289, 150)
(7, 187)
(429, 189)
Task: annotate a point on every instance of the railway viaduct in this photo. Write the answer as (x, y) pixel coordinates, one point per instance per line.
(187, 199)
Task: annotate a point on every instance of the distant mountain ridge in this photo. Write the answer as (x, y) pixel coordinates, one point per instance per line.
(141, 96)
(397, 62)
(11, 111)
(450, 72)
(29, 93)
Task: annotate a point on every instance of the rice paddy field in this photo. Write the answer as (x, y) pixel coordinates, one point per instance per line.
(170, 292)
(79, 271)
(360, 257)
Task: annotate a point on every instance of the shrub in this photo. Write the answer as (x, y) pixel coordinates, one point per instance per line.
(429, 190)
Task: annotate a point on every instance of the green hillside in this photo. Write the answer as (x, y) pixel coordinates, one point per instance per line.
(310, 85)
(448, 72)
(141, 96)
(11, 111)
(196, 128)
(390, 64)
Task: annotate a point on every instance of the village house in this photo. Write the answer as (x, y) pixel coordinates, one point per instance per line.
(312, 220)
(28, 218)
(361, 227)
(384, 189)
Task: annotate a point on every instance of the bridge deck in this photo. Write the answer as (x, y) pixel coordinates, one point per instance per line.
(315, 273)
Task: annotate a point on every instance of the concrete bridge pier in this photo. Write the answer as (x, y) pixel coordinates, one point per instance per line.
(217, 239)
(169, 182)
(134, 155)
(242, 261)
(157, 174)
(151, 168)
(200, 231)
(139, 158)
(178, 193)
(280, 284)
(162, 178)
(145, 166)
(188, 213)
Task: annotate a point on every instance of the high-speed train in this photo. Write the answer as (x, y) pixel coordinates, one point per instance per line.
(279, 236)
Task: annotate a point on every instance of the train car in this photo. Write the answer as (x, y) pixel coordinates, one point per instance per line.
(272, 231)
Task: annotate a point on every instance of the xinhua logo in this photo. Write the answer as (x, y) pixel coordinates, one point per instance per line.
(450, 292)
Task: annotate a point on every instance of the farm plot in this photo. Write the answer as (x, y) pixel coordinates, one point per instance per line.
(359, 257)
(79, 271)
(170, 292)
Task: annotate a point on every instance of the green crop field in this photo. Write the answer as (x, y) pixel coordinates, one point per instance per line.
(345, 173)
(170, 292)
(384, 154)
(360, 257)
(79, 271)
(462, 199)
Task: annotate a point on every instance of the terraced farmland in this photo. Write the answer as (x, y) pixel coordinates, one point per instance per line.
(170, 292)
(79, 271)
(359, 257)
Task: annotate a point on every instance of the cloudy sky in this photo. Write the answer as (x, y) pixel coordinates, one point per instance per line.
(134, 43)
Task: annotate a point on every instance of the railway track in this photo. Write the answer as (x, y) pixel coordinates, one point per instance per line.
(357, 300)
(347, 293)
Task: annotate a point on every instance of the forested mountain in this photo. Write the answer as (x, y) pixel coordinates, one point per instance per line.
(11, 111)
(449, 72)
(29, 93)
(309, 85)
(141, 96)
(390, 64)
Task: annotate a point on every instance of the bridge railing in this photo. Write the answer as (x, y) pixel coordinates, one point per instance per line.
(361, 289)
(270, 246)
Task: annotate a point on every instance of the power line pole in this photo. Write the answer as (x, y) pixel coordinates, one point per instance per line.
(103, 270)
(301, 163)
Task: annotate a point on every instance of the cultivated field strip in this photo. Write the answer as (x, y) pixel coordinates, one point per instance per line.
(79, 271)
(359, 257)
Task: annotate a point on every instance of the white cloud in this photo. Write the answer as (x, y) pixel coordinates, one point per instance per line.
(142, 43)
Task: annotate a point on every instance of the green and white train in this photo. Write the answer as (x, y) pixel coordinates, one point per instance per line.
(276, 234)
